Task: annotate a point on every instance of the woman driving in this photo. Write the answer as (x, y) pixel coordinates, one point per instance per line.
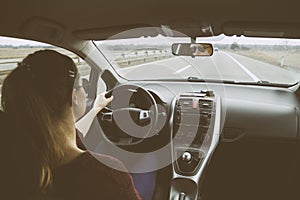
(37, 97)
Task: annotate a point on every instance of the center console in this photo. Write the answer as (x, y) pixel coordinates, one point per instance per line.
(195, 135)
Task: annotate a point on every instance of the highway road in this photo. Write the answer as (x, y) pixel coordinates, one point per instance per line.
(222, 65)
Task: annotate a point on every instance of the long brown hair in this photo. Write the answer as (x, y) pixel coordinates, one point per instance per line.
(36, 96)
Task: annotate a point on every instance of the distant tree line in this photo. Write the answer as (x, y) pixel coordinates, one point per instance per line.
(232, 46)
(256, 47)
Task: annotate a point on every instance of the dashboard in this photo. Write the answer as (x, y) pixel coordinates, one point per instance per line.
(207, 114)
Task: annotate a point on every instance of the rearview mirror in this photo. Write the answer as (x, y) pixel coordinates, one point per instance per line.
(192, 49)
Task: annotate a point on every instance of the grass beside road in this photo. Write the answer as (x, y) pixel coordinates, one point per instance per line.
(262, 56)
(287, 59)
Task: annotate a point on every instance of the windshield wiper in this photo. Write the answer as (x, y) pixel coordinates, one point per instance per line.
(266, 83)
(260, 83)
(197, 79)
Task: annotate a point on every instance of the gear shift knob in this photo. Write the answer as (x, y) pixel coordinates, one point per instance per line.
(186, 156)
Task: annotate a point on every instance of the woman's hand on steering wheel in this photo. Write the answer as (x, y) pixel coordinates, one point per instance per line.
(101, 101)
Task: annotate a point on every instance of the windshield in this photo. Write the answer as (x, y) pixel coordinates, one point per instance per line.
(237, 59)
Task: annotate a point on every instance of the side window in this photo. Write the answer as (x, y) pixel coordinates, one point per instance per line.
(13, 50)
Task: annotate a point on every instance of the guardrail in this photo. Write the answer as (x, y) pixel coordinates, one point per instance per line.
(4, 72)
(141, 60)
(76, 59)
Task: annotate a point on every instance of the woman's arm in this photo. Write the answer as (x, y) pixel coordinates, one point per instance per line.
(84, 124)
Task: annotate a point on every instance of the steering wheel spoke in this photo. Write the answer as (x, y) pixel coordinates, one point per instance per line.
(135, 122)
(107, 116)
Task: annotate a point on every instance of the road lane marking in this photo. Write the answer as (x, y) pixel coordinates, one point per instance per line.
(182, 69)
(253, 76)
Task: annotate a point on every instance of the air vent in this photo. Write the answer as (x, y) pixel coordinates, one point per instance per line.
(205, 103)
(186, 103)
(193, 95)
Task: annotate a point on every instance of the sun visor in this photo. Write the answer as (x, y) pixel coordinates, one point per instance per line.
(42, 29)
(260, 29)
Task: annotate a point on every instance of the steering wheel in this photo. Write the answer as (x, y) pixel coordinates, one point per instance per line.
(131, 117)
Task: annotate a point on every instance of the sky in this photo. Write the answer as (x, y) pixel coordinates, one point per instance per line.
(163, 40)
(17, 42)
